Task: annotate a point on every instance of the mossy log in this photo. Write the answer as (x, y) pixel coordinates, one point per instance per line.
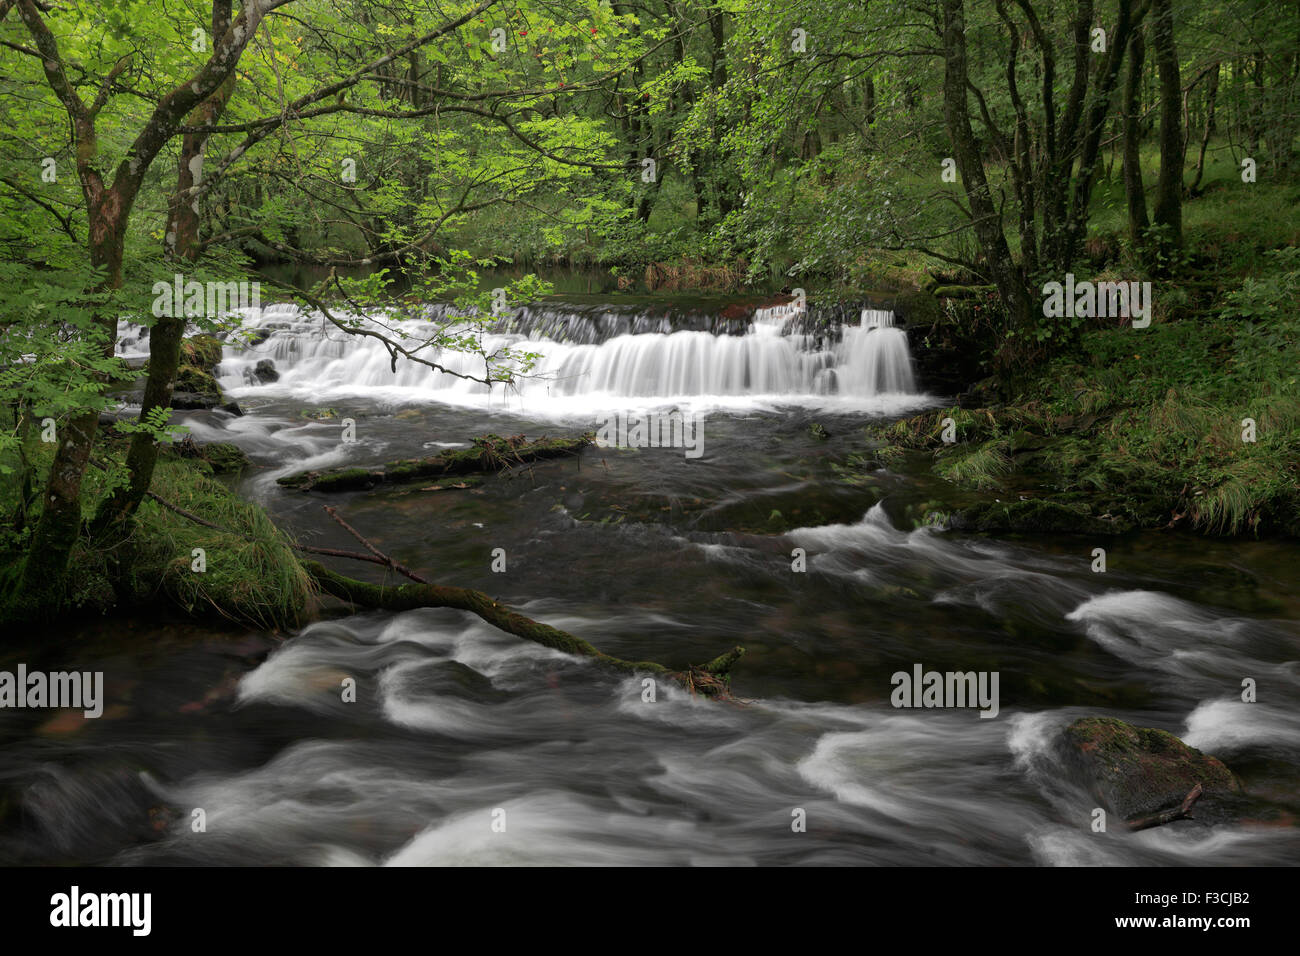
(961, 291)
(709, 679)
(490, 453)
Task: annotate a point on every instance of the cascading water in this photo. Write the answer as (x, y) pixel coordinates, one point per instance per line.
(586, 353)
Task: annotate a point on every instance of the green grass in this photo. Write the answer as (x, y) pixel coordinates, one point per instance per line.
(979, 466)
(252, 575)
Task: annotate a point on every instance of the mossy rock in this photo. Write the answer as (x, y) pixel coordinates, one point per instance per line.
(224, 457)
(195, 388)
(918, 308)
(1035, 516)
(1138, 771)
(961, 291)
(201, 351)
(191, 378)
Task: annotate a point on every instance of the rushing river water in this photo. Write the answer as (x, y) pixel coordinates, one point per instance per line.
(650, 554)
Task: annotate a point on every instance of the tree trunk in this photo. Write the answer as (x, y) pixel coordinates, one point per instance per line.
(57, 529)
(108, 208)
(1211, 95)
(1134, 190)
(1168, 209)
(987, 223)
(182, 246)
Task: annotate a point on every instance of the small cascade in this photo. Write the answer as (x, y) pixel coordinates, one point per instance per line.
(874, 358)
(605, 351)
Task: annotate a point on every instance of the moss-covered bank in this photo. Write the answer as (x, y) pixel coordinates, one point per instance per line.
(246, 572)
(1192, 422)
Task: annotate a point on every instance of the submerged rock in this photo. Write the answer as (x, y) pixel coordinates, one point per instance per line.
(1138, 771)
(1035, 516)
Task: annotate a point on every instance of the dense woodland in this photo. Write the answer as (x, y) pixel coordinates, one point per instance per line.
(964, 152)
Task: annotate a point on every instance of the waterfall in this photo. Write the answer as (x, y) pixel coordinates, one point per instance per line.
(589, 351)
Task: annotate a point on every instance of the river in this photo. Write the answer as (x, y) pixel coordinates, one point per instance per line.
(467, 746)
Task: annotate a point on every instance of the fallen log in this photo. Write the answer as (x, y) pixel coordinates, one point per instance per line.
(1182, 812)
(710, 679)
(490, 453)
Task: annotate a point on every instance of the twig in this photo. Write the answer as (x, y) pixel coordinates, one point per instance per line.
(384, 559)
(331, 552)
(1169, 816)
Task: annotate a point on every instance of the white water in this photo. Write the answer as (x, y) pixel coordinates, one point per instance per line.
(869, 367)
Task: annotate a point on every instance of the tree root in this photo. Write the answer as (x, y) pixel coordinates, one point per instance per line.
(710, 680)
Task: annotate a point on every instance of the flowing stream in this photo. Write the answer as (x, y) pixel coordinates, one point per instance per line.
(650, 554)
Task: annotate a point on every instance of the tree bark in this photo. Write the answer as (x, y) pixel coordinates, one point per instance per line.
(181, 241)
(1006, 275)
(709, 679)
(1168, 209)
(1134, 189)
(1211, 96)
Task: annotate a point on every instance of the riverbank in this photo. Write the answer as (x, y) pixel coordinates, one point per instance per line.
(1192, 422)
(243, 570)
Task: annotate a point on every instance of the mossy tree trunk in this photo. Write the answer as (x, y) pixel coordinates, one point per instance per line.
(181, 241)
(709, 679)
(108, 209)
(1134, 189)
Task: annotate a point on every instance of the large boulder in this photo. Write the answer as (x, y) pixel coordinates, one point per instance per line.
(195, 388)
(1138, 771)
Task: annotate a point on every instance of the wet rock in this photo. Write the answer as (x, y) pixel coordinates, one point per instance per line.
(1138, 771)
(195, 388)
(454, 679)
(264, 371)
(224, 457)
(1223, 586)
(1036, 516)
(188, 401)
